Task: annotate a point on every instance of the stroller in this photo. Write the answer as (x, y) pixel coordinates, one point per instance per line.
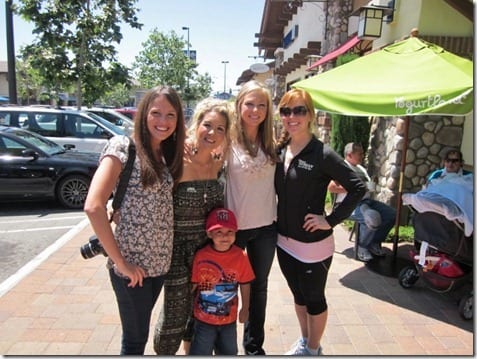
(443, 258)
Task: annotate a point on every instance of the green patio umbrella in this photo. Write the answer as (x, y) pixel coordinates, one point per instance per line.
(408, 78)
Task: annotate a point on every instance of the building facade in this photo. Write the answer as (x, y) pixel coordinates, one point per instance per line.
(306, 37)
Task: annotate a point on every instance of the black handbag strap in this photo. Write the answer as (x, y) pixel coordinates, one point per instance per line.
(124, 178)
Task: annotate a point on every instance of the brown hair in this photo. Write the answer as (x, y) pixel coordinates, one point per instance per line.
(172, 148)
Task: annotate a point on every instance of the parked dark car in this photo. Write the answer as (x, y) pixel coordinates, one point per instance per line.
(33, 167)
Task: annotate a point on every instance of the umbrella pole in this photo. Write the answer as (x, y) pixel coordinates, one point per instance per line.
(391, 265)
(401, 180)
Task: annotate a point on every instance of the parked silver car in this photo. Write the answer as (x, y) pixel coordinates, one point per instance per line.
(116, 118)
(86, 132)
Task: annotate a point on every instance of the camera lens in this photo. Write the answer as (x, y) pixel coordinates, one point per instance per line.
(86, 251)
(92, 248)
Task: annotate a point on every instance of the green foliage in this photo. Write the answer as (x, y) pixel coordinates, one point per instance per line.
(406, 234)
(345, 58)
(74, 43)
(163, 61)
(28, 82)
(346, 129)
(118, 96)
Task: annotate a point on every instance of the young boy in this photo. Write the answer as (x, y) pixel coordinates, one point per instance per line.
(217, 271)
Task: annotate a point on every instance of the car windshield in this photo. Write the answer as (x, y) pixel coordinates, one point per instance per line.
(43, 143)
(107, 124)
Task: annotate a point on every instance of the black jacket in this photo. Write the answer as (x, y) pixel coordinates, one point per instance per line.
(303, 190)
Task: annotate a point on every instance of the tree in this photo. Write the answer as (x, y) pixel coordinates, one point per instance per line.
(28, 82)
(347, 129)
(118, 96)
(74, 43)
(163, 61)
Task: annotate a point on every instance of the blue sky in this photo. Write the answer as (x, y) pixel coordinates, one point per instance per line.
(219, 30)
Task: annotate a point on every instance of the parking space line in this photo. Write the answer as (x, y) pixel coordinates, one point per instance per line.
(40, 219)
(11, 281)
(36, 229)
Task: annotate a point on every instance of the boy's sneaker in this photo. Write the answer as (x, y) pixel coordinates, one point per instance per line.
(298, 348)
(364, 255)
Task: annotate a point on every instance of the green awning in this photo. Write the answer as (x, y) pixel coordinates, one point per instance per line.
(408, 78)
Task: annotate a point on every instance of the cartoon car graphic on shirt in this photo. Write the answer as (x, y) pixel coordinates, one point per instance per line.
(218, 301)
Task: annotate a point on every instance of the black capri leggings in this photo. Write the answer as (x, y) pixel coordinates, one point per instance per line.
(306, 281)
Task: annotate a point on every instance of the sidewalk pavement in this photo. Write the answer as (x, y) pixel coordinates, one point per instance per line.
(66, 307)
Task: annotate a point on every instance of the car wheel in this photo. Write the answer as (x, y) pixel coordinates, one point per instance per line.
(72, 190)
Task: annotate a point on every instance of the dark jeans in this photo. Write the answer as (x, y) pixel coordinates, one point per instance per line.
(209, 338)
(260, 244)
(135, 309)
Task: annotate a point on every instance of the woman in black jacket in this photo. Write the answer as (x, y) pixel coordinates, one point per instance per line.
(305, 240)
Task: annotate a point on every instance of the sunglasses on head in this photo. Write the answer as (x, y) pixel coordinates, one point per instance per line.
(453, 160)
(297, 111)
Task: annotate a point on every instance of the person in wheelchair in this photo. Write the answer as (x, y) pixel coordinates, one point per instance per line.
(449, 191)
(453, 166)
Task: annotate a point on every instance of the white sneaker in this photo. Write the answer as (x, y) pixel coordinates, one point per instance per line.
(298, 348)
(364, 255)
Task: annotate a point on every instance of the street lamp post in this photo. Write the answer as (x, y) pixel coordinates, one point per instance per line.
(11, 71)
(188, 57)
(225, 73)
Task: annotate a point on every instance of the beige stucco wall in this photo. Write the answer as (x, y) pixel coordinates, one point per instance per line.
(431, 17)
(467, 147)
(311, 19)
(3, 85)
(311, 27)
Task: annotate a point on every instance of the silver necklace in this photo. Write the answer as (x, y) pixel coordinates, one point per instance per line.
(205, 191)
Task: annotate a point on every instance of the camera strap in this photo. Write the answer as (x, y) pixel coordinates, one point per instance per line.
(124, 178)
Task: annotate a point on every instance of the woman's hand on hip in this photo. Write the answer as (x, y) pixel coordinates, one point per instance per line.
(135, 273)
(314, 222)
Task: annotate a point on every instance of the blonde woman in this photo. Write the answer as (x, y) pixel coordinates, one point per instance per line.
(196, 194)
(250, 194)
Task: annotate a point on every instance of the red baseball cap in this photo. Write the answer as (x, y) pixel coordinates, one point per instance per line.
(221, 218)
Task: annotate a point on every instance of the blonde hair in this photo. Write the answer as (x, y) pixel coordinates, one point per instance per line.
(204, 107)
(265, 130)
(210, 105)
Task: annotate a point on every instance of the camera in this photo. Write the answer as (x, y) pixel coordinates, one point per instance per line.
(92, 248)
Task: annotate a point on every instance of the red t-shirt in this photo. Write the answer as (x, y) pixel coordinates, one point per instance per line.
(218, 275)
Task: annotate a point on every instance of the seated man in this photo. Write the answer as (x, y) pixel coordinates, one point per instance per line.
(375, 218)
